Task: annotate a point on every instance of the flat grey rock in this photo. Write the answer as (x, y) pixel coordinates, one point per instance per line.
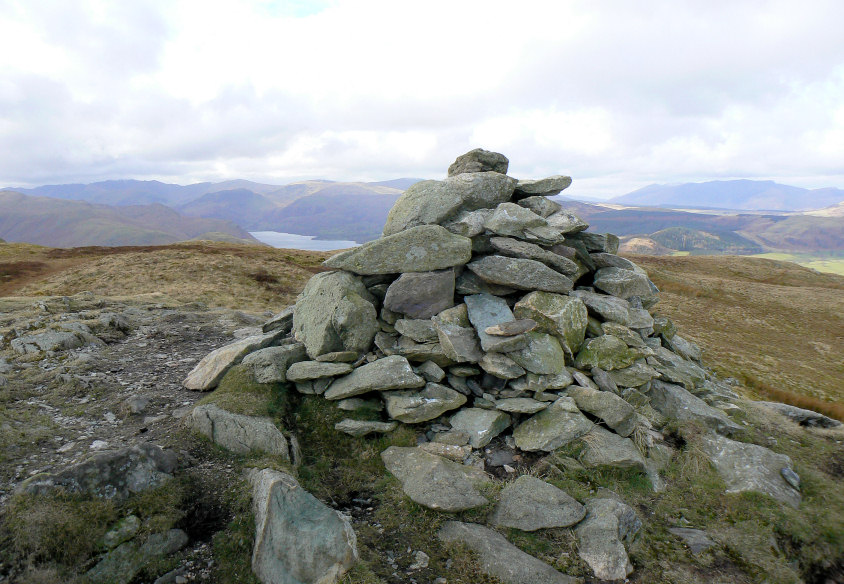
(540, 205)
(545, 187)
(423, 248)
(601, 536)
(433, 481)
(674, 402)
(460, 344)
(393, 372)
(501, 366)
(566, 221)
(511, 220)
(421, 295)
(607, 449)
(542, 355)
(310, 370)
(53, 341)
(612, 409)
(412, 407)
(607, 307)
(239, 433)
(553, 427)
(486, 310)
(607, 352)
(481, 425)
(749, 467)
(521, 274)
(696, 539)
(359, 428)
(520, 405)
(420, 330)
(623, 283)
(122, 564)
(501, 559)
(432, 202)
(297, 537)
(529, 503)
(637, 374)
(282, 321)
(211, 368)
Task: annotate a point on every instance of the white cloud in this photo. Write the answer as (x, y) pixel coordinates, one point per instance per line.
(618, 94)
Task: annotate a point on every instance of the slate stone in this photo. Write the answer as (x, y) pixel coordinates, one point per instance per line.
(431, 371)
(423, 248)
(469, 224)
(601, 536)
(622, 283)
(529, 503)
(520, 274)
(696, 539)
(109, 475)
(675, 403)
(522, 249)
(566, 222)
(562, 316)
(270, 365)
(356, 404)
(613, 410)
(211, 368)
(484, 311)
(310, 370)
(421, 331)
(607, 307)
(334, 313)
(631, 338)
(749, 467)
(479, 160)
(412, 407)
(53, 341)
(604, 380)
(501, 366)
(283, 321)
(297, 537)
(510, 219)
(543, 354)
(453, 452)
(481, 425)
(339, 357)
(596, 242)
(501, 559)
(540, 205)
(459, 344)
(421, 295)
(238, 433)
(607, 449)
(607, 352)
(433, 481)
(360, 428)
(638, 374)
(553, 427)
(544, 187)
(684, 348)
(470, 283)
(520, 405)
(431, 202)
(512, 328)
(385, 374)
(609, 260)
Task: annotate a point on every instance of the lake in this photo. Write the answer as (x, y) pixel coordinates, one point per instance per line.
(293, 241)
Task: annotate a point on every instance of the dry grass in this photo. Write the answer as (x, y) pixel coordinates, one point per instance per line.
(249, 277)
(777, 326)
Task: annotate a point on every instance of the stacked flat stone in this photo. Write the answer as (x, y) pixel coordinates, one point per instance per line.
(487, 306)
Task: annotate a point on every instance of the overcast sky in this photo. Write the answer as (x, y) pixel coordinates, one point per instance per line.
(617, 94)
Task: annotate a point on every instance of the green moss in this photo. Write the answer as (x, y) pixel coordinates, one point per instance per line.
(239, 393)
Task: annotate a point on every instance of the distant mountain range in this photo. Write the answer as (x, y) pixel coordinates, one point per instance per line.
(741, 195)
(144, 212)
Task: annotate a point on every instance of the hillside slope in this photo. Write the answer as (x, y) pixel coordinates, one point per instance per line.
(61, 223)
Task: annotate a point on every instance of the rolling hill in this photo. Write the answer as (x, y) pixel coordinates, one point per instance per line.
(746, 195)
(63, 223)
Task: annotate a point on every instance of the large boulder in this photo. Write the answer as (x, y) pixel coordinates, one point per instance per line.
(297, 537)
(802, 416)
(529, 503)
(423, 248)
(433, 481)
(500, 558)
(109, 475)
(335, 313)
(749, 467)
(54, 341)
(238, 433)
(520, 273)
(211, 369)
(432, 202)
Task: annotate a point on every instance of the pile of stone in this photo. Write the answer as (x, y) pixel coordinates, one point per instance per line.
(487, 310)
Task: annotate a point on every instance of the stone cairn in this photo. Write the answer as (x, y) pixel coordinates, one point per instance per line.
(487, 310)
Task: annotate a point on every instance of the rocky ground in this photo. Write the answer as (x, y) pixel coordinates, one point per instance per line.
(121, 386)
